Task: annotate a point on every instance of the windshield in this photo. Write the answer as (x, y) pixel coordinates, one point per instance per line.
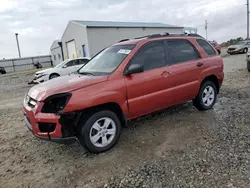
(107, 60)
(242, 43)
(62, 63)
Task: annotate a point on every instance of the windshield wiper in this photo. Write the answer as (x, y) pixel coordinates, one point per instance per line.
(86, 73)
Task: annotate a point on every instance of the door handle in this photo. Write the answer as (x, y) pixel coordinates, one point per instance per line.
(166, 73)
(199, 64)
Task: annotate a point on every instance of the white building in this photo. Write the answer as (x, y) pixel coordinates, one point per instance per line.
(86, 38)
(56, 52)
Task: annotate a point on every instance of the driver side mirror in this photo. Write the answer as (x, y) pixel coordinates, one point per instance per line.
(135, 68)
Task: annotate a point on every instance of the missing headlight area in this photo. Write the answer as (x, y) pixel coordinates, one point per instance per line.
(56, 103)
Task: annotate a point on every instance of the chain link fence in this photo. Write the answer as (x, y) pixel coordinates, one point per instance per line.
(26, 63)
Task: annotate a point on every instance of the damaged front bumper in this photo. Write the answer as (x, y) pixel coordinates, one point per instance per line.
(39, 79)
(49, 126)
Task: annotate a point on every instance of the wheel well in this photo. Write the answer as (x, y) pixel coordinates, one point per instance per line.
(112, 106)
(214, 79)
(54, 74)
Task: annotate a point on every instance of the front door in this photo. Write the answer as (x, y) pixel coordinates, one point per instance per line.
(70, 67)
(146, 90)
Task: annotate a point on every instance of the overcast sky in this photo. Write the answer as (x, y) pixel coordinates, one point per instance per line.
(39, 22)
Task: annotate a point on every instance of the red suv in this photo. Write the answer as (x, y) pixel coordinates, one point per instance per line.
(122, 82)
(216, 46)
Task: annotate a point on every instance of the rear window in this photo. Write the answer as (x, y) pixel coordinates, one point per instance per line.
(213, 43)
(206, 47)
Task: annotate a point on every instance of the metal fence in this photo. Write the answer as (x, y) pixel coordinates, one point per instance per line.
(26, 63)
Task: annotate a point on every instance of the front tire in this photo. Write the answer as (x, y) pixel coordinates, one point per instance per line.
(206, 97)
(245, 50)
(53, 75)
(99, 131)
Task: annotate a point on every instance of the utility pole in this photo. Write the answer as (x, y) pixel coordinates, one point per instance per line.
(18, 45)
(247, 19)
(206, 27)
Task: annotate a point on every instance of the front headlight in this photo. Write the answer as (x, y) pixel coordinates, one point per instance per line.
(39, 75)
(56, 103)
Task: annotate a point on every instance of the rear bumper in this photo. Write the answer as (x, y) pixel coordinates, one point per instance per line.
(32, 120)
(220, 78)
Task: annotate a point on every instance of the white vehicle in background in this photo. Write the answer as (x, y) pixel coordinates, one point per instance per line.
(64, 68)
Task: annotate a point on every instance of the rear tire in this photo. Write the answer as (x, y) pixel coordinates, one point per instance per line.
(248, 66)
(206, 97)
(99, 132)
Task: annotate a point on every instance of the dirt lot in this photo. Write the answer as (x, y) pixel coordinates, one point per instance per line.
(177, 147)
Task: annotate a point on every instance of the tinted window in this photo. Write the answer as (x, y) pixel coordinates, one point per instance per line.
(206, 47)
(181, 51)
(72, 63)
(151, 56)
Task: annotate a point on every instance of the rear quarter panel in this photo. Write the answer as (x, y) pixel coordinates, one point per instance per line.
(213, 65)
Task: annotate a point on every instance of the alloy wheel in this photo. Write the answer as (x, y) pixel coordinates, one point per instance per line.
(208, 96)
(102, 132)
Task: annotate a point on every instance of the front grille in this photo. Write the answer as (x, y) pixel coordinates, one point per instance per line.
(230, 49)
(47, 127)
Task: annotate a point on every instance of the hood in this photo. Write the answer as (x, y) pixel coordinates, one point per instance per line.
(236, 46)
(63, 84)
(44, 71)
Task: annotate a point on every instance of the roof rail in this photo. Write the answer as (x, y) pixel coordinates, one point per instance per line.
(146, 36)
(123, 40)
(155, 35)
(173, 35)
(164, 35)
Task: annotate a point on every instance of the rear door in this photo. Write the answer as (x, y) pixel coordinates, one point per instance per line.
(184, 69)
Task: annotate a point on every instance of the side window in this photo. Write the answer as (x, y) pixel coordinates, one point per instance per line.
(83, 61)
(72, 63)
(181, 51)
(151, 56)
(206, 47)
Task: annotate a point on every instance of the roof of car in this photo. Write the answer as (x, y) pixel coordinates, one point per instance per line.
(82, 58)
(124, 24)
(165, 35)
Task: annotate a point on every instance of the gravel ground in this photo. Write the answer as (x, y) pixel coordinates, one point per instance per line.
(177, 147)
